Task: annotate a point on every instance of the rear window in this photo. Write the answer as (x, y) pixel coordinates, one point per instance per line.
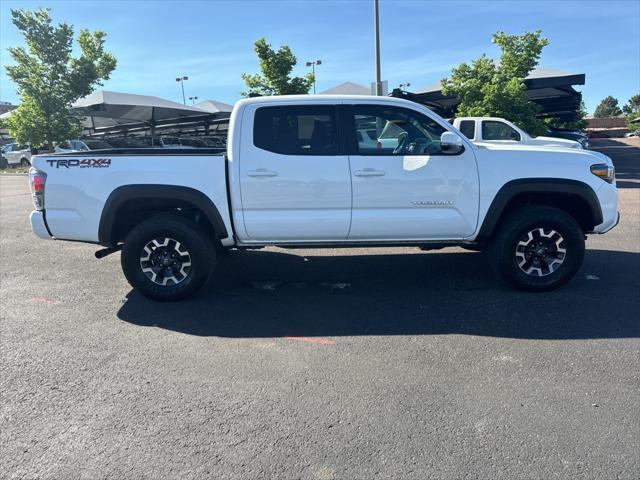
(492, 130)
(296, 130)
(468, 128)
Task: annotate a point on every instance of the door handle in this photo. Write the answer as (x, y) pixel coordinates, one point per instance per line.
(368, 172)
(261, 172)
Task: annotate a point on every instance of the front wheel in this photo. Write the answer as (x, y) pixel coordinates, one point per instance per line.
(537, 248)
(167, 257)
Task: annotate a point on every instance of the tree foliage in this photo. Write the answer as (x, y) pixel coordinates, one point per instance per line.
(49, 78)
(489, 88)
(579, 124)
(631, 111)
(276, 67)
(633, 105)
(608, 107)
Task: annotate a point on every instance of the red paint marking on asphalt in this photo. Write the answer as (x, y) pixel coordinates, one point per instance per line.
(48, 301)
(320, 341)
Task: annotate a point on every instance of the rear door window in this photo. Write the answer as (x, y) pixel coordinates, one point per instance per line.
(296, 130)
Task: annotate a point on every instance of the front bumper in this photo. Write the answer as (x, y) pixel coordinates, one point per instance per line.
(608, 197)
(608, 228)
(39, 225)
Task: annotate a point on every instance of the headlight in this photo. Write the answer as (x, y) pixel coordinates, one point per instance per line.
(604, 171)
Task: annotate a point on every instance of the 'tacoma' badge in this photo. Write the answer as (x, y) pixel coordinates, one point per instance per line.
(432, 203)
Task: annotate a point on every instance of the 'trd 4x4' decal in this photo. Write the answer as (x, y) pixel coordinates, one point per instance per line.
(82, 163)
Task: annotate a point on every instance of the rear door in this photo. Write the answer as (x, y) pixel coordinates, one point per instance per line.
(407, 187)
(295, 185)
(13, 153)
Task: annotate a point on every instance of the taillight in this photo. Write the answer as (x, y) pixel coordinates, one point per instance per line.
(37, 179)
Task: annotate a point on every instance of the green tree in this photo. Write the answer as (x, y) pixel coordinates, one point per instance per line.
(276, 67)
(579, 124)
(49, 79)
(632, 105)
(629, 120)
(608, 107)
(488, 88)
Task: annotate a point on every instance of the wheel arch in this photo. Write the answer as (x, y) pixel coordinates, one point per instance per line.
(127, 205)
(571, 196)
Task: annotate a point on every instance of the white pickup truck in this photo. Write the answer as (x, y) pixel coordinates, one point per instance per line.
(494, 130)
(296, 175)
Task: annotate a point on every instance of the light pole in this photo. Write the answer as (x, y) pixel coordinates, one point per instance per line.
(403, 86)
(181, 80)
(193, 100)
(377, 32)
(313, 70)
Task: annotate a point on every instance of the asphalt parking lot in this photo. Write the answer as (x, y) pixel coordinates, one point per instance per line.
(320, 364)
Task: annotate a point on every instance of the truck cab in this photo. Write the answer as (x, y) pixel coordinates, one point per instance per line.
(498, 131)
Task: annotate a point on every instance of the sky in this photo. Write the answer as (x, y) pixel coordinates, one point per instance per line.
(211, 42)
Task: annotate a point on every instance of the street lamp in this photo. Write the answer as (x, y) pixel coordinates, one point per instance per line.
(193, 100)
(313, 70)
(181, 80)
(376, 27)
(403, 86)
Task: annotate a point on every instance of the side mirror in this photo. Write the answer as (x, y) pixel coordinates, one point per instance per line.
(451, 143)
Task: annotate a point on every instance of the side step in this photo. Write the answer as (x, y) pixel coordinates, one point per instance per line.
(108, 251)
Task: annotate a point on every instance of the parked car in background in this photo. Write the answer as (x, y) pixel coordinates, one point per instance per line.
(125, 142)
(16, 155)
(192, 142)
(632, 134)
(482, 130)
(83, 145)
(597, 135)
(569, 135)
(162, 142)
(215, 142)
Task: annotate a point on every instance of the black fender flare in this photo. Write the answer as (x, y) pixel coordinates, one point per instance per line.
(537, 185)
(145, 192)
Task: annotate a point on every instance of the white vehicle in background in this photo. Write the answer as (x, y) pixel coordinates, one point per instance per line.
(499, 131)
(16, 155)
(85, 145)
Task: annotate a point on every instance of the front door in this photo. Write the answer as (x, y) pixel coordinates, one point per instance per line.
(405, 185)
(294, 184)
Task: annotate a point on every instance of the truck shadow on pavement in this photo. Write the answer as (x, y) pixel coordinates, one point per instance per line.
(255, 294)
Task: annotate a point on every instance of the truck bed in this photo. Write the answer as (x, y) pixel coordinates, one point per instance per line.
(79, 184)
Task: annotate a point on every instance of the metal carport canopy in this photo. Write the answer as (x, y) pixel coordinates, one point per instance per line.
(551, 89)
(115, 108)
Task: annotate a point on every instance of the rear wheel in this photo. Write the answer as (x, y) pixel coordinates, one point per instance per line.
(167, 257)
(537, 248)
(25, 163)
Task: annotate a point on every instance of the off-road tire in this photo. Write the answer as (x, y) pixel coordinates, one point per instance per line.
(184, 236)
(507, 249)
